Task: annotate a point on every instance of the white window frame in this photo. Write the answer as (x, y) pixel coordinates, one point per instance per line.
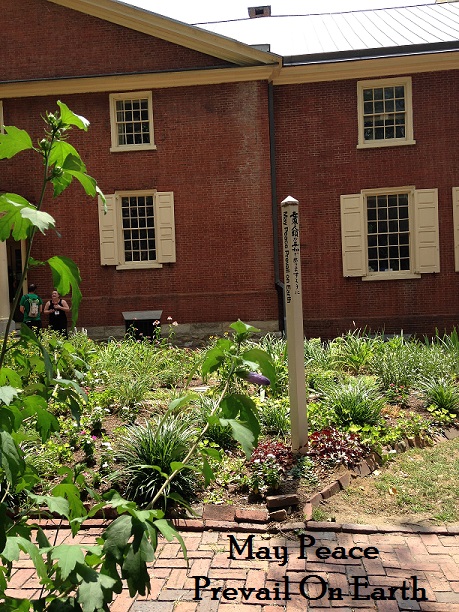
(423, 230)
(111, 230)
(409, 130)
(133, 95)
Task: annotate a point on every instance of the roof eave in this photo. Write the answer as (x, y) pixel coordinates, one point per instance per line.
(366, 54)
(171, 30)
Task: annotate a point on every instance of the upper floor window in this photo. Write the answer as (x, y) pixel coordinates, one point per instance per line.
(131, 116)
(390, 233)
(385, 113)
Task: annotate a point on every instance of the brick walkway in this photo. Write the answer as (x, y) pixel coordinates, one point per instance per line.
(399, 570)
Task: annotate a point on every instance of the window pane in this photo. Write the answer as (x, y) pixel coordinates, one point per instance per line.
(132, 121)
(388, 237)
(137, 214)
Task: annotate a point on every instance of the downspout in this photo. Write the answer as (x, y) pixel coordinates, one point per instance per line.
(275, 210)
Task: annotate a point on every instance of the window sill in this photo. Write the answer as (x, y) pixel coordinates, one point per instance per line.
(148, 265)
(143, 147)
(381, 276)
(378, 144)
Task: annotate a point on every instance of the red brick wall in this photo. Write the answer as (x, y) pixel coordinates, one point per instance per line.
(317, 161)
(213, 153)
(57, 42)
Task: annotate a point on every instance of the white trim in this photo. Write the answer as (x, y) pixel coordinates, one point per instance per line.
(386, 142)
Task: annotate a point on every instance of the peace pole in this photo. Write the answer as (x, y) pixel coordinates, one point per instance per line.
(294, 318)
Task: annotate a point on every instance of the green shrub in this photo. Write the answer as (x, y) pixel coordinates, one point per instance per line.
(442, 394)
(274, 415)
(146, 452)
(354, 351)
(357, 401)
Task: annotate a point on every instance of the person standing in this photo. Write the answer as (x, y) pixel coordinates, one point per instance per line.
(31, 306)
(57, 309)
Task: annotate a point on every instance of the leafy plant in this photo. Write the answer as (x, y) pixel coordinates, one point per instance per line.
(442, 394)
(357, 401)
(353, 351)
(334, 447)
(146, 453)
(274, 415)
(268, 465)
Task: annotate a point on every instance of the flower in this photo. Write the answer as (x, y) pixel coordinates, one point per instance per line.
(257, 379)
(169, 318)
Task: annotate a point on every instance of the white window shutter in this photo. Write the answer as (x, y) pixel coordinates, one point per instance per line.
(427, 248)
(165, 227)
(456, 226)
(353, 236)
(108, 231)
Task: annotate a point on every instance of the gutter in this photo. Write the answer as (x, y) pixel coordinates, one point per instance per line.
(279, 285)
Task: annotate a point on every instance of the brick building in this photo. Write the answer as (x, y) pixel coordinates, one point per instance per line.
(196, 137)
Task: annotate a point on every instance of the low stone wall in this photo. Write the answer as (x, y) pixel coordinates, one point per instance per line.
(185, 334)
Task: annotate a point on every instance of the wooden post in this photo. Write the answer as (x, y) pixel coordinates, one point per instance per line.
(294, 321)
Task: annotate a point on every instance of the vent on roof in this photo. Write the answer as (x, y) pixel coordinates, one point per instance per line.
(259, 11)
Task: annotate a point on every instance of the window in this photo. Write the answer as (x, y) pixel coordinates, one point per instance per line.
(385, 113)
(390, 233)
(137, 231)
(131, 121)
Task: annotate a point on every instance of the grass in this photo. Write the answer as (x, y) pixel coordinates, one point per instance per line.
(420, 484)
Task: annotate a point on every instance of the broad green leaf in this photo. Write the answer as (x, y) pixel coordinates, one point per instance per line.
(117, 536)
(16, 543)
(20, 217)
(73, 163)
(71, 118)
(182, 401)
(95, 590)
(10, 458)
(59, 151)
(67, 557)
(60, 183)
(71, 493)
(14, 141)
(7, 394)
(213, 361)
(243, 329)
(134, 569)
(207, 472)
(242, 434)
(10, 417)
(66, 275)
(73, 166)
(58, 505)
(10, 376)
(46, 422)
(211, 452)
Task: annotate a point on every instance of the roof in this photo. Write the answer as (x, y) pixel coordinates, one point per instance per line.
(365, 33)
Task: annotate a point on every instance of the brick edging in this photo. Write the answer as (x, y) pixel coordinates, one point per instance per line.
(248, 520)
